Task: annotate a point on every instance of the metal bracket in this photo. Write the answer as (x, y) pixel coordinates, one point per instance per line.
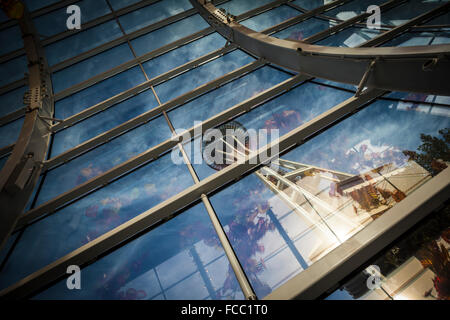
(365, 77)
(50, 119)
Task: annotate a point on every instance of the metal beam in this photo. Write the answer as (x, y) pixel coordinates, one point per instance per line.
(419, 69)
(70, 121)
(353, 253)
(12, 116)
(153, 153)
(128, 37)
(5, 150)
(98, 21)
(340, 26)
(107, 103)
(120, 40)
(386, 36)
(21, 171)
(134, 62)
(13, 85)
(150, 55)
(115, 237)
(157, 80)
(39, 12)
(304, 16)
(239, 272)
(146, 116)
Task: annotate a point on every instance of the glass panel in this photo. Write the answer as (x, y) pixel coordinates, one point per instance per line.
(3, 16)
(341, 85)
(82, 42)
(8, 245)
(198, 76)
(118, 4)
(253, 218)
(214, 102)
(103, 121)
(270, 18)
(184, 54)
(103, 158)
(303, 30)
(33, 5)
(13, 70)
(443, 19)
(181, 259)
(237, 7)
(168, 34)
(295, 211)
(278, 116)
(3, 161)
(75, 225)
(11, 40)
(12, 101)
(90, 67)
(55, 22)
(349, 37)
(309, 4)
(30, 203)
(352, 9)
(419, 39)
(409, 10)
(419, 97)
(153, 13)
(99, 92)
(10, 132)
(413, 268)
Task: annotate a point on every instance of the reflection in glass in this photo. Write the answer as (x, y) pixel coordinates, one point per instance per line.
(409, 10)
(12, 37)
(170, 33)
(288, 215)
(13, 70)
(419, 97)
(352, 8)
(350, 37)
(103, 121)
(278, 116)
(12, 100)
(74, 225)
(98, 92)
(270, 18)
(34, 5)
(303, 30)
(237, 7)
(55, 22)
(88, 68)
(101, 159)
(414, 268)
(420, 39)
(201, 75)
(308, 4)
(181, 259)
(10, 132)
(183, 54)
(153, 13)
(82, 42)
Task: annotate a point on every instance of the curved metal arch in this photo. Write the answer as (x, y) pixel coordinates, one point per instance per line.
(21, 172)
(423, 69)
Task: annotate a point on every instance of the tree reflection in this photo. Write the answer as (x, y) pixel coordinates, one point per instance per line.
(434, 152)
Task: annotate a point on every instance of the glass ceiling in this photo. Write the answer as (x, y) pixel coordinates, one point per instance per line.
(125, 84)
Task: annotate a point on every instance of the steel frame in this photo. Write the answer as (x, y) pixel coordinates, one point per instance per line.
(326, 273)
(413, 207)
(19, 175)
(419, 69)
